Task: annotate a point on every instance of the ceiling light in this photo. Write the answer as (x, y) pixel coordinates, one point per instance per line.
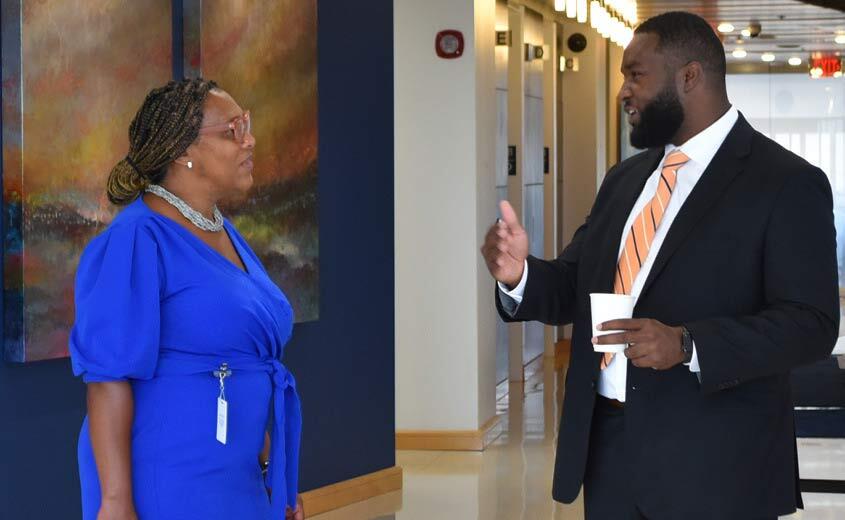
(628, 36)
(560, 5)
(795, 61)
(767, 57)
(739, 53)
(726, 27)
(840, 39)
(582, 11)
(571, 8)
(837, 74)
(816, 72)
(594, 14)
(604, 23)
(617, 29)
(621, 8)
(746, 33)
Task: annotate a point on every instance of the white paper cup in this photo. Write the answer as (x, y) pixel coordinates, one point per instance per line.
(606, 307)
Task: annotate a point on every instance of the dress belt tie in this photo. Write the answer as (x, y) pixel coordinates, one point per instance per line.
(283, 474)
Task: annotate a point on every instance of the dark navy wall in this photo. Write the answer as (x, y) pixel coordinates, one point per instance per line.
(41, 409)
(344, 363)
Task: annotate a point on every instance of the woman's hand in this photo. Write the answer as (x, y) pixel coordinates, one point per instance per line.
(264, 456)
(117, 510)
(294, 514)
(290, 514)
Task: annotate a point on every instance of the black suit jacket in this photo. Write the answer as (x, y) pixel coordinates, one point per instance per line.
(749, 267)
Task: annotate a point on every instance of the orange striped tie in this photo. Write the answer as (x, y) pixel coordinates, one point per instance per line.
(641, 234)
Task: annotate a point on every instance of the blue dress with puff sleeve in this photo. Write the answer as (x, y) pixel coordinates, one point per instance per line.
(159, 308)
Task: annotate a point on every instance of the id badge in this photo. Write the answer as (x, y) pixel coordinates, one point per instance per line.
(222, 419)
(222, 405)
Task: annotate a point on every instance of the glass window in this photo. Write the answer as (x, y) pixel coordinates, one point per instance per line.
(807, 116)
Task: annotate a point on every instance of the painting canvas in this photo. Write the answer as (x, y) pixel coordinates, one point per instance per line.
(74, 73)
(265, 55)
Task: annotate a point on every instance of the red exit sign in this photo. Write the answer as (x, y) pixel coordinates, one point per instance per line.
(826, 67)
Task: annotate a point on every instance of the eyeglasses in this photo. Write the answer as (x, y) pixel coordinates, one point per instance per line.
(239, 126)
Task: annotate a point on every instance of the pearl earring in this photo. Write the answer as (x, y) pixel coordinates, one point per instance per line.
(190, 165)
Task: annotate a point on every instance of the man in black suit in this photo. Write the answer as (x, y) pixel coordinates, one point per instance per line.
(735, 284)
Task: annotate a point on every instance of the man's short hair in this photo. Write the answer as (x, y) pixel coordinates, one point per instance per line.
(687, 37)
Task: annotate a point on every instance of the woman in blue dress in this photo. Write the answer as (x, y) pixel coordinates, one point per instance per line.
(179, 331)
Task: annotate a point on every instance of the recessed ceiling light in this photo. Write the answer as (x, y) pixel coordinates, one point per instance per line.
(837, 74)
(816, 72)
(739, 53)
(767, 57)
(725, 27)
(795, 61)
(840, 39)
(746, 33)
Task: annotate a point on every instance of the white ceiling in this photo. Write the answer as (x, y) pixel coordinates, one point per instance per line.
(789, 27)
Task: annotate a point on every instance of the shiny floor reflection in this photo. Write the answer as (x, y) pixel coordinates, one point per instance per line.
(511, 480)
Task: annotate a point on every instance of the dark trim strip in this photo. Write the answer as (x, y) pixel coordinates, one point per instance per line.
(667, 185)
(621, 279)
(636, 248)
(823, 486)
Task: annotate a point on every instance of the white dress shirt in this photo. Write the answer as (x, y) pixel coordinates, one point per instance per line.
(700, 149)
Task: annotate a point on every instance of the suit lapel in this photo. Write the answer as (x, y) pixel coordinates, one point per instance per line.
(725, 166)
(630, 186)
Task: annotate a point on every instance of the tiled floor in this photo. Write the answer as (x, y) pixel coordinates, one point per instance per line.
(511, 480)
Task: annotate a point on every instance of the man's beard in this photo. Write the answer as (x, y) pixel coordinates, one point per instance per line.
(659, 121)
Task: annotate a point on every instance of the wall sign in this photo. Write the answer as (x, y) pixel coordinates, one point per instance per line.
(826, 67)
(511, 159)
(546, 159)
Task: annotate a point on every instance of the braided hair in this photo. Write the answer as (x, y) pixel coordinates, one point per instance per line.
(166, 124)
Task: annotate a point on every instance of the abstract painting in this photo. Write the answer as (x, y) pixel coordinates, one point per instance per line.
(264, 53)
(74, 73)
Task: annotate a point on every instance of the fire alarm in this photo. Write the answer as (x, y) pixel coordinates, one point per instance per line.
(449, 44)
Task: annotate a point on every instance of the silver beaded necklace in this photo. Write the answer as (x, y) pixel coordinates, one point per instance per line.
(196, 218)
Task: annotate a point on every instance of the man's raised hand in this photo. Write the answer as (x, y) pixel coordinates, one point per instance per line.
(506, 247)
